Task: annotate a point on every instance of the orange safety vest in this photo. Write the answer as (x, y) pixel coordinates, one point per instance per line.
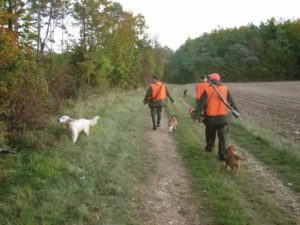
(200, 88)
(158, 91)
(214, 105)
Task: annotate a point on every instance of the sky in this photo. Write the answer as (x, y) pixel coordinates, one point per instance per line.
(172, 22)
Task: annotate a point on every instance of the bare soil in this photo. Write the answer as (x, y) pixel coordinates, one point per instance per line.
(166, 195)
(272, 105)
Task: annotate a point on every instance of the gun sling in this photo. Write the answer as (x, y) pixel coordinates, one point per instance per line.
(234, 112)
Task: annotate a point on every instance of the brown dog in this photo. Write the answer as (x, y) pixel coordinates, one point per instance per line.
(232, 159)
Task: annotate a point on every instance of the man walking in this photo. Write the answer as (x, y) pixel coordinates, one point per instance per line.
(217, 116)
(156, 97)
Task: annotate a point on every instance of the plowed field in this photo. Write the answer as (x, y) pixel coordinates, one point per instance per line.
(273, 105)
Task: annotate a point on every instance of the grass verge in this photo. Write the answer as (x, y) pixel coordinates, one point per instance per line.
(52, 181)
(278, 154)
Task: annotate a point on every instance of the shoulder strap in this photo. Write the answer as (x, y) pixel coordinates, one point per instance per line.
(234, 112)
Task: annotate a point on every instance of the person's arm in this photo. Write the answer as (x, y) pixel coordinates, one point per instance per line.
(231, 101)
(200, 106)
(147, 96)
(169, 96)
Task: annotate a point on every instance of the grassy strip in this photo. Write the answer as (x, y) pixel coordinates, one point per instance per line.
(282, 157)
(53, 181)
(226, 199)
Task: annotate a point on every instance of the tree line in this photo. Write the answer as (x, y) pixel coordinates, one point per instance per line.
(268, 52)
(53, 50)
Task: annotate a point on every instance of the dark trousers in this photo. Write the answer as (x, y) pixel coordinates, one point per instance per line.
(223, 135)
(156, 115)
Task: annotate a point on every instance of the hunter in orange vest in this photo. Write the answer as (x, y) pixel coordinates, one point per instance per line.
(217, 116)
(156, 97)
(200, 87)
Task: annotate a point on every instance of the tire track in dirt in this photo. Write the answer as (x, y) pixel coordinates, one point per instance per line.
(166, 196)
(272, 185)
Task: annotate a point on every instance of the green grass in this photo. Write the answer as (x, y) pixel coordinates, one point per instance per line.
(278, 154)
(53, 181)
(226, 199)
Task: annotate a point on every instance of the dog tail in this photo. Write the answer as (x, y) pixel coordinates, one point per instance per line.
(94, 121)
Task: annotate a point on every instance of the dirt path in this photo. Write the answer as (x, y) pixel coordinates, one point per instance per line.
(166, 196)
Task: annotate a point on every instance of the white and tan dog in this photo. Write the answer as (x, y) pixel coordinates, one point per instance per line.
(172, 123)
(76, 126)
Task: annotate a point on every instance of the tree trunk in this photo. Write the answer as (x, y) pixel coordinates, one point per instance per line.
(38, 33)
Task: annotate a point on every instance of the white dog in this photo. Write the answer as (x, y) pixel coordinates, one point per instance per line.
(76, 126)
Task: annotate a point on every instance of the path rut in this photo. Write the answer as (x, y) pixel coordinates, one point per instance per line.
(167, 197)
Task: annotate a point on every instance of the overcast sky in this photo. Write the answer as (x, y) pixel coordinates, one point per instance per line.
(173, 21)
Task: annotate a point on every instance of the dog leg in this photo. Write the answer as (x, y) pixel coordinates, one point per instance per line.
(227, 167)
(87, 131)
(237, 169)
(74, 136)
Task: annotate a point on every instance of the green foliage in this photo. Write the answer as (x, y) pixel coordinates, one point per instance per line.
(29, 99)
(3, 133)
(112, 50)
(9, 55)
(248, 53)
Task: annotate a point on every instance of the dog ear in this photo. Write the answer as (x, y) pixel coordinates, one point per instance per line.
(191, 110)
(233, 148)
(230, 149)
(68, 121)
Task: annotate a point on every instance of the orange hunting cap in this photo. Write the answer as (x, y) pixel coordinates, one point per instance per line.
(214, 76)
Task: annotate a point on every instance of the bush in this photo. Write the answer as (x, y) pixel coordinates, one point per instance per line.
(29, 100)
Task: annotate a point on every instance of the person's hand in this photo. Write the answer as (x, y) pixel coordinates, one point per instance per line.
(173, 102)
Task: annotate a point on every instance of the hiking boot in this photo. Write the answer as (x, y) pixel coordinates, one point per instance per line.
(154, 127)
